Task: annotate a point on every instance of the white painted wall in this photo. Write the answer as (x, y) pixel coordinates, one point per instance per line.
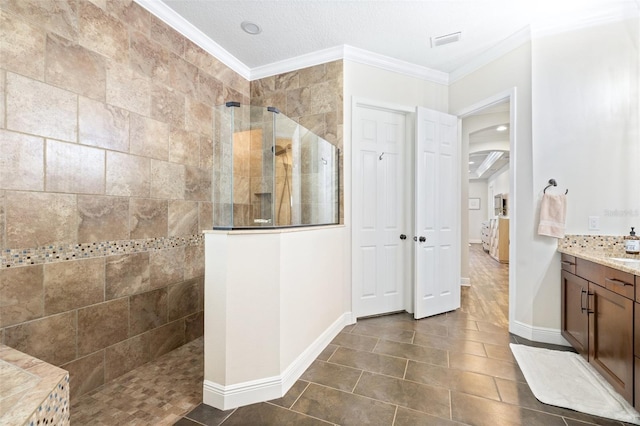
(477, 189)
(512, 70)
(272, 304)
(576, 121)
(586, 136)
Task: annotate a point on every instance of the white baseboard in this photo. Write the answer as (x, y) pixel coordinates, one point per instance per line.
(538, 334)
(236, 395)
(465, 282)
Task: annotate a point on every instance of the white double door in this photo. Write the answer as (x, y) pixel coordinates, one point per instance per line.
(405, 186)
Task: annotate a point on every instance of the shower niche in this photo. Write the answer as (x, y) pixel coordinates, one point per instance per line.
(271, 172)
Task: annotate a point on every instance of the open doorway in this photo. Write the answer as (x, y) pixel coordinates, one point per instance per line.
(485, 260)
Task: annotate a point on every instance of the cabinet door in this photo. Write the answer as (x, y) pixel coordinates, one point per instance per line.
(611, 338)
(575, 323)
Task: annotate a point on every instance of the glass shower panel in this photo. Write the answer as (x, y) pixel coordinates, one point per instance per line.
(222, 185)
(269, 171)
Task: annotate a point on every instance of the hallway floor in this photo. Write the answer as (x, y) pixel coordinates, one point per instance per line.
(454, 368)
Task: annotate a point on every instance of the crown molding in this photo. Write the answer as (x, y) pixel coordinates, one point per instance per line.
(558, 26)
(505, 46)
(303, 61)
(184, 27)
(394, 65)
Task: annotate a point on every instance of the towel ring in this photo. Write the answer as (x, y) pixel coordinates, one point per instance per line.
(552, 182)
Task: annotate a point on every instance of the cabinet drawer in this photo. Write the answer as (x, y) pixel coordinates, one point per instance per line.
(622, 283)
(590, 271)
(568, 263)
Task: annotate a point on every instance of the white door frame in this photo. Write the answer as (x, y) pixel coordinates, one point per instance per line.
(506, 95)
(409, 135)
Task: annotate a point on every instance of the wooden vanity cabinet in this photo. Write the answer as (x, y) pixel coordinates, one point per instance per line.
(575, 322)
(598, 319)
(611, 338)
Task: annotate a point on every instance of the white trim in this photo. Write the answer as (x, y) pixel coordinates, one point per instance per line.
(394, 65)
(184, 27)
(505, 46)
(251, 392)
(558, 26)
(346, 52)
(299, 62)
(304, 360)
(465, 282)
(537, 334)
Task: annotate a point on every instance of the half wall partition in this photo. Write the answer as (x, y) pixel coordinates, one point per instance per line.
(270, 171)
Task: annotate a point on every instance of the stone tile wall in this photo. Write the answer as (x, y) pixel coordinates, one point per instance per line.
(105, 183)
(312, 97)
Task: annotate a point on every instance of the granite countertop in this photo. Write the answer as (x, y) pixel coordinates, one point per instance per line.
(601, 249)
(25, 383)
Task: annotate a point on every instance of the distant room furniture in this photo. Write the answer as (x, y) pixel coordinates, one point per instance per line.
(499, 239)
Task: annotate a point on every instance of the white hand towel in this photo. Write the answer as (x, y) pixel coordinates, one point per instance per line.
(553, 211)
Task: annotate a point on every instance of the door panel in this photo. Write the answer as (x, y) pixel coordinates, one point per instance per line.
(611, 338)
(379, 200)
(575, 322)
(437, 213)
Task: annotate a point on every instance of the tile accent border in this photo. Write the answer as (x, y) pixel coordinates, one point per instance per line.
(59, 253)
(55, 408)
(611, 244)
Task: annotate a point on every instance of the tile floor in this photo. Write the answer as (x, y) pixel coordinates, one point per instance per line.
(454, 368)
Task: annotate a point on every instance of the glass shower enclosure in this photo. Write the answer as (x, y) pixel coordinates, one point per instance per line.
(270, 172)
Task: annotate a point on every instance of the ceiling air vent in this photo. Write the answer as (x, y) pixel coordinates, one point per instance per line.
(445, 39)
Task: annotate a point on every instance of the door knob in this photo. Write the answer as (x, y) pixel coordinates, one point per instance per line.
(422, 239)
(403, 237)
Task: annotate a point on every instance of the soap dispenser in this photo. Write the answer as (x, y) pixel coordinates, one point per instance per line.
(632, 242)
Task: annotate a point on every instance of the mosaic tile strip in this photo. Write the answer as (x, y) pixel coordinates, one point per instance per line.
(609, 244)
(55, 408)
(63, 252)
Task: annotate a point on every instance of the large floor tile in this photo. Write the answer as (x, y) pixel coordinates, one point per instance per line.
(354, 341)
(406, 417)
(479, 411)
(207, 415)
(491, 367)
(457, 380)
(520, 394)
(427, 399)
(414, 352)
(292, 394)
(448, 343)
(268, 414)
(343, 408)
(368, 361)
(332, 375)
(387, 333)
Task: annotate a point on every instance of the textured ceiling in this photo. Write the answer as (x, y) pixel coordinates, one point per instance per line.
(396, 29)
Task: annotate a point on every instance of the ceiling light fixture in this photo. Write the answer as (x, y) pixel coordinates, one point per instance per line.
(250, 28)
(445, 39)
(501, 128)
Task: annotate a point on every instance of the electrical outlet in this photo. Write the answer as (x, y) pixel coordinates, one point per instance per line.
(594, 223)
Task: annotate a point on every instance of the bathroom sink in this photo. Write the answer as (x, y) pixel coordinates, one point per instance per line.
(625, 260)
